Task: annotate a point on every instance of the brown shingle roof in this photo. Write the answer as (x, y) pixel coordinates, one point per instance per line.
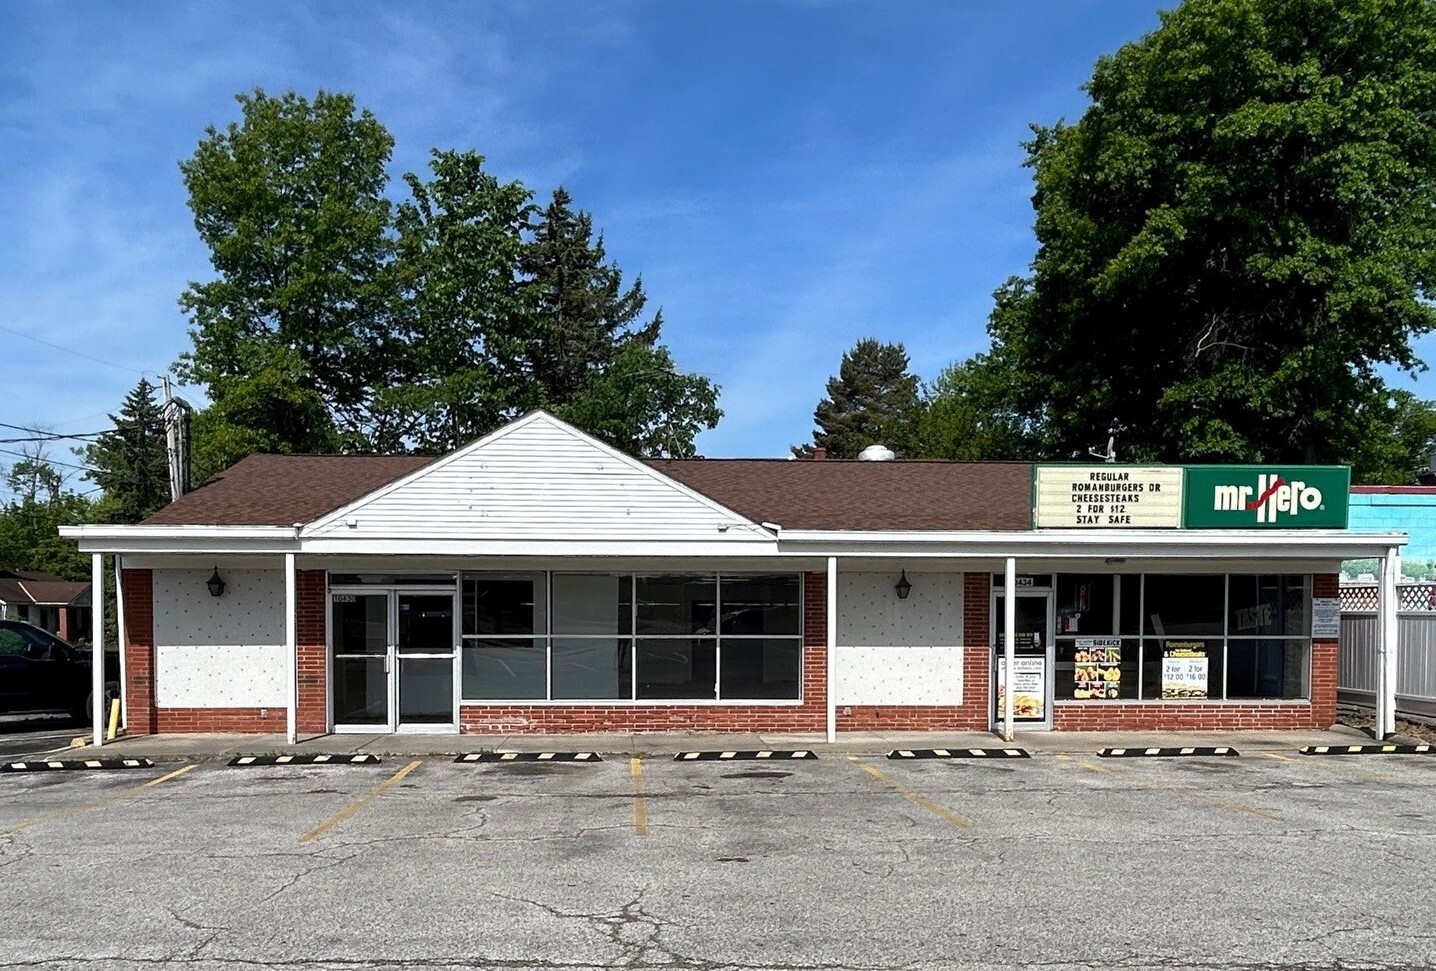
(799, 494)
(281, 490)
(31, 587)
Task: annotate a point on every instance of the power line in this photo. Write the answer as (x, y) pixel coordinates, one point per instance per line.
(71, 350)
(46, 461)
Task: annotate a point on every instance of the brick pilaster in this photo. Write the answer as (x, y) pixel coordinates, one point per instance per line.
(312, 594)
(1325, 660)
(139, 652)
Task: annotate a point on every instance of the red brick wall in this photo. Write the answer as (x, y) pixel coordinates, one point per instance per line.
(811, 715)
(1168, 717)
(1325, 660)
(312, 592)
(139, 652)
(221, 720)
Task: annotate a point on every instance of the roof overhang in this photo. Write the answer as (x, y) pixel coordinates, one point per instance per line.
(1046, 544)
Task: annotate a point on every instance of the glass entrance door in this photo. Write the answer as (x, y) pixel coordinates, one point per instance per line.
(425, 651)
(359, 626)
(1032, 678)
(394, 652)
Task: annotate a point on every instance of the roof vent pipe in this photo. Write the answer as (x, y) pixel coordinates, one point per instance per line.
(877, 453)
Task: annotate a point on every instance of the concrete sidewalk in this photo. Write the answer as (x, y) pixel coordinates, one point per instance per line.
(171, 748)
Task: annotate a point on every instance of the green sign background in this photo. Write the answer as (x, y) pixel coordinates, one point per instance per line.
(1231, 497)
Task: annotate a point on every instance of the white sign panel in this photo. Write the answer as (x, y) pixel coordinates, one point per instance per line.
(1107, 497)
(1326, 618)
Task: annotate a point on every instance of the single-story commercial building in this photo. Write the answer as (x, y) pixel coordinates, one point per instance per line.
(538, 580)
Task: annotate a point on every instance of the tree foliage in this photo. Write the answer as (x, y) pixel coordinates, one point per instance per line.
(341, 320)
(1235, 238)
(872, 400)
(30, 522)
(131, 462)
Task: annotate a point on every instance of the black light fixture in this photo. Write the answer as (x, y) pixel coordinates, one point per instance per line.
(215, 584)
(903, 588)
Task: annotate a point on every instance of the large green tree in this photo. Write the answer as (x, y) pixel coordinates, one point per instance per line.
(967, 417)
(1235, 238)
(872, 400)
(341, 321)
(131, 462)
(290, 203)
(30, 522)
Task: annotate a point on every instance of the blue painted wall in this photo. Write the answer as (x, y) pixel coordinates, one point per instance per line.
(1410, 513)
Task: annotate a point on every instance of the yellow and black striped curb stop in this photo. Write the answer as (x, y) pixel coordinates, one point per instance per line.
(530, 757)
(747, 756)
(959, 753)
(72, 765)
(249, 760)
(1368, 750)
(1167, 753)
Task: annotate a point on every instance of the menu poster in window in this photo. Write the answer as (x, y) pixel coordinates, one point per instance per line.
(1098, 671)
(1029, 688)
(1184, 670)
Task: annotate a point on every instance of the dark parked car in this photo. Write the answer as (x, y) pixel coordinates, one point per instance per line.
(41, 673)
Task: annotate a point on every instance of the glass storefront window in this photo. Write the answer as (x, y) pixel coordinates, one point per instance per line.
(580, 636)
(677, 668)
(1268, 605)
(761, 668)
(1182, 669)
(1084, 604)
(1183, 606)
(504, 670)
(1274, 668)
(1085, 667)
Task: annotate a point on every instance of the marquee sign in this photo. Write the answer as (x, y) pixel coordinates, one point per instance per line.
(1107, 497)
(1191, 497)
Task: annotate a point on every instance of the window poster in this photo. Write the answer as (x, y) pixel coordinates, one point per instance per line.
(1029, 688)
(1098, 671)
(1184, 669)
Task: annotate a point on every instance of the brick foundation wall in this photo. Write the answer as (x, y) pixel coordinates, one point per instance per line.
(1162, 716)
(221, 720)
(312, 593)
(811, 715)
(139, 652)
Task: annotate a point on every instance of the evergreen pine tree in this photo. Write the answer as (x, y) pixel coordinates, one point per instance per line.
(130, 462)
(873, 400)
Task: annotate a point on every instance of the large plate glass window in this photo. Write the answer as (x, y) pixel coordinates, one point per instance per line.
(505, 647)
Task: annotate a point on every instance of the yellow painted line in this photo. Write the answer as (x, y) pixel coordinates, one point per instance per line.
(1235, 807)
(916, 798)
(85, 807)
(359, 804)
(640, 810)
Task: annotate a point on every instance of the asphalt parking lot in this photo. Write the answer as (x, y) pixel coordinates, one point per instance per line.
(1262, 862)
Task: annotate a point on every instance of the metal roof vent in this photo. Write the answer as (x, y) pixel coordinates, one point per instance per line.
(877, 453)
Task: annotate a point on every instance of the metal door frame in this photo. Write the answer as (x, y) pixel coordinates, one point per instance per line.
(391, 656)
(1049, 681)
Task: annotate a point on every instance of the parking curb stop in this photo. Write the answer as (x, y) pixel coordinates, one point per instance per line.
(71, 765)
(258, 760)
(530, 757)
(1167, 753)
(1368, 749)
(960, 753)
(744, 756)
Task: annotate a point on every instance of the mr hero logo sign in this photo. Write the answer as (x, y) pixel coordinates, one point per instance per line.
(1289, 497)
(1270, 498)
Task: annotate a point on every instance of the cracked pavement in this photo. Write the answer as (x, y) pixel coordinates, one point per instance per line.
(1248, 864)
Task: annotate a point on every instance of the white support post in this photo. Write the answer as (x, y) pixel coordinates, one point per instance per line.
(291, 646)
(97, 647)
(1386, 654)
(120, 634)
(832, 647)
(1009, 643)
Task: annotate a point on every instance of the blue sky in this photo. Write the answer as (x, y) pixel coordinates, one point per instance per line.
(788, 177)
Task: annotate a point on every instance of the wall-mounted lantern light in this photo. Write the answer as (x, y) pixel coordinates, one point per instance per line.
(903, 588)
(215, 584)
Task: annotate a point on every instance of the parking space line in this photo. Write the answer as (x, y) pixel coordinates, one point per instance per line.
(360, 803)
(96, 803)
(640, 809)
(916, 798)
(1235, 807)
